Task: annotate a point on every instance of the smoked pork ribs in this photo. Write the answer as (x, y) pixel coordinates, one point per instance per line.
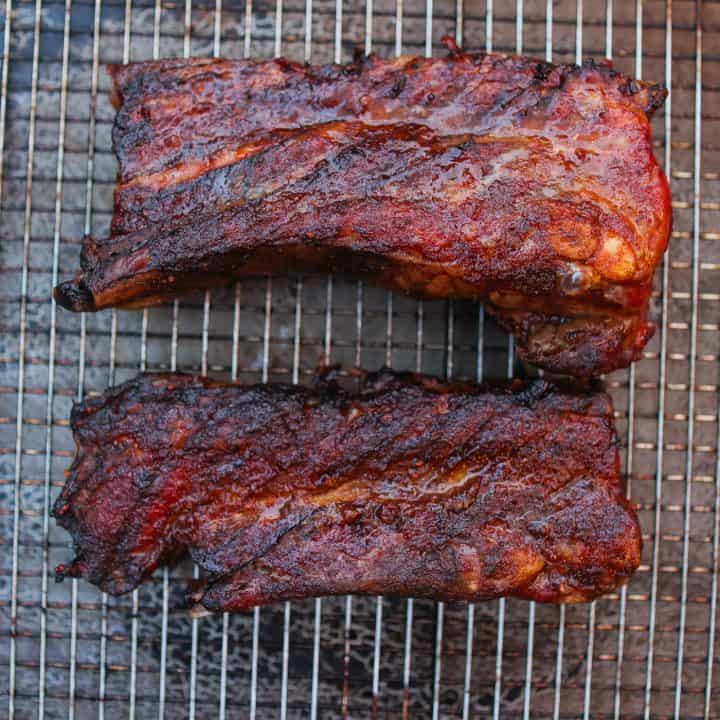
(529, 185)
(407, 487)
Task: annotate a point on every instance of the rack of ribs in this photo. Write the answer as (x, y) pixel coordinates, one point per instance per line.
(528, 185)
(407, 486)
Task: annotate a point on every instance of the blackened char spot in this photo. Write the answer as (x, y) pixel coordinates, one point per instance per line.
(397, 86)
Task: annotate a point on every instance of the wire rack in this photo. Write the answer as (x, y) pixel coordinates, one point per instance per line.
(69, 651)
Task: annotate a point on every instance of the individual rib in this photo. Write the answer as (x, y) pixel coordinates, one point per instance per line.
(529, 185)
(409, 487)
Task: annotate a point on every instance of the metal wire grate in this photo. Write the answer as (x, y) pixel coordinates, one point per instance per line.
(68, 651)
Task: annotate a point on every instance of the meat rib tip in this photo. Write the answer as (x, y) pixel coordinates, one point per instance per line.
(528, 185)
(408, 487)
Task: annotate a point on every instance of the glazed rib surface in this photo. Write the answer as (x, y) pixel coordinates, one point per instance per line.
(529, 185)
(408, 487)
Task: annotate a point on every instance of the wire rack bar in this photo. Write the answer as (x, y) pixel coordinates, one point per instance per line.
(49, 412)
(662, 389)
(4, 86)
(689, 467)
(21, 354)
(714, 586)
(631, 379)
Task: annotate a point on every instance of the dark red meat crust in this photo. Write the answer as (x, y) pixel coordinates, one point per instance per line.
(410, 487)
(529, 185)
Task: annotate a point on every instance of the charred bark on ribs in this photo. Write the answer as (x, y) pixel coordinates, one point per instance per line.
(409, 487)
(529, 185)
